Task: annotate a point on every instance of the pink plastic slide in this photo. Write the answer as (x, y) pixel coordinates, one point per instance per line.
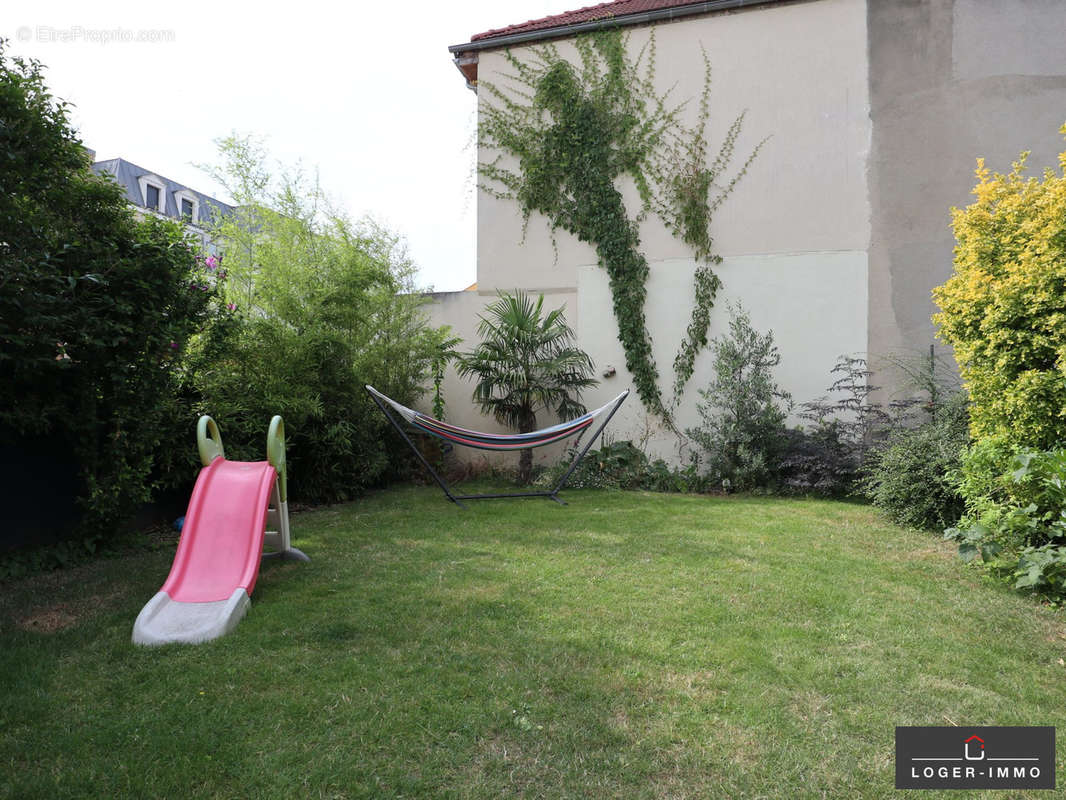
(217, 561)
(223, 534)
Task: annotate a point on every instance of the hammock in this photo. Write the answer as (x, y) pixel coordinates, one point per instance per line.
(493, 441)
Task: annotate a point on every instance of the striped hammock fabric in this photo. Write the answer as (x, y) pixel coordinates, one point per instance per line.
(493, 441)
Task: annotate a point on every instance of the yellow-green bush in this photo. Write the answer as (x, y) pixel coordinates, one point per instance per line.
(1004, 309)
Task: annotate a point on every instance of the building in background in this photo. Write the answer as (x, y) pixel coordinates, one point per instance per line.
(876, 111)
(150, 193)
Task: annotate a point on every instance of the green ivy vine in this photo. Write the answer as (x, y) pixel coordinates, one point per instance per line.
(575, 131)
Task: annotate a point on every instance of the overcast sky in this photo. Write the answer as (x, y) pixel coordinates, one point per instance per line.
(366, 92)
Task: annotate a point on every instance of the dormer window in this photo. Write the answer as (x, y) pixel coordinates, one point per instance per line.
(187, 205)
(152, 192)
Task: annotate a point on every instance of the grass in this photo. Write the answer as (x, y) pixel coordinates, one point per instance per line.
(629, 645)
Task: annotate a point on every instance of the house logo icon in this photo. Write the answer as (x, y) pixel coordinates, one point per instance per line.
(975, 758)
(974, 748)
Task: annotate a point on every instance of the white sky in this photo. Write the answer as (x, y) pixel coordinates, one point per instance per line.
(364, 91)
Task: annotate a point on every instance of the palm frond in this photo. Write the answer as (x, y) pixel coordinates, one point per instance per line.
(527, 362)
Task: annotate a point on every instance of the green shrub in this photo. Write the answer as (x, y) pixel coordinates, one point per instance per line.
(1004, 312)
(326, 306)
(1004, 309)
(1042, 570)
(623, 465)
(661, 477)
(912, 478)
(618, 465)
(742, 432)
(96, 307)
(983, 480)
(1021, 530)
(997, 477)
(338, 442)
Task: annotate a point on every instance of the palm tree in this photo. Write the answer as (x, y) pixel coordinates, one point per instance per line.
(526, 363)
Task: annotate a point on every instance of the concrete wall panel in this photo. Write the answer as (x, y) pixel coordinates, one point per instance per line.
(950, 81)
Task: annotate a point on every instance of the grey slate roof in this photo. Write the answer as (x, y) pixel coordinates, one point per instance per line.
(128, 174)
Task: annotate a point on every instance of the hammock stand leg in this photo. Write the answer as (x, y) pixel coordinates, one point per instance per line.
(585, 449)
(513, 494)
(418, 453)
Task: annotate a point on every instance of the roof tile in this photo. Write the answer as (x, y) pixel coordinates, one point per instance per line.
(617, 8)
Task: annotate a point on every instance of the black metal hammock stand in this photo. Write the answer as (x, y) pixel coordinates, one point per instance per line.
(494, 441)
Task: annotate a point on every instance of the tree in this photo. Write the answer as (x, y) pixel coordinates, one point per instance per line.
(328, 305)
(526, 362)
(743, 430)
(96, 306)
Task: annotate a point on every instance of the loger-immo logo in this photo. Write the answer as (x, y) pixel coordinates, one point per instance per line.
(975, 758)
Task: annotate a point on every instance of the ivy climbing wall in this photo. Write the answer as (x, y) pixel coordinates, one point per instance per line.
(793, 235)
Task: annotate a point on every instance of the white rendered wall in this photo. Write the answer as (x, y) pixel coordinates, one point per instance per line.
(811, 328)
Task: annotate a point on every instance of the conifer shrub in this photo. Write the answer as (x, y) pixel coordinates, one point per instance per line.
(742, 430)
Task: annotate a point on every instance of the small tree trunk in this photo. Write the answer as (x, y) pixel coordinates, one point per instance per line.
(525, 459)
(525, 465)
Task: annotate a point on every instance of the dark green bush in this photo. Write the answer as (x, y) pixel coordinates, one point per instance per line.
(96, 307)
(912, 478)
(338, 442)
(827, 455)
(820, 461)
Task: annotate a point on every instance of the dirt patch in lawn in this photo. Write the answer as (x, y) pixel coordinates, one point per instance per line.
(56, 617)
(50, 619)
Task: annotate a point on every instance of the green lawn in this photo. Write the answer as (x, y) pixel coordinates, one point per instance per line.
(628, 645)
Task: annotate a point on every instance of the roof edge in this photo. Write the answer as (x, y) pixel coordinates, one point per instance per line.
(540, 34)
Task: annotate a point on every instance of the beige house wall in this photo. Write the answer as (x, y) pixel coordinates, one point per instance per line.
(800, 71)
(877, 111)
(794, 233)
